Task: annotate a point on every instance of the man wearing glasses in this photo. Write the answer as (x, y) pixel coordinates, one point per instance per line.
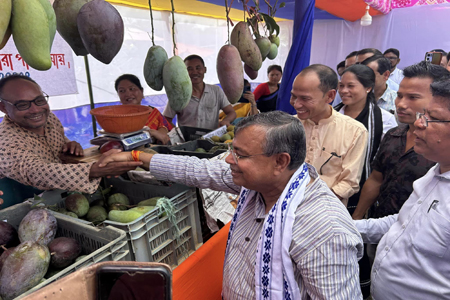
(413, 254)
(290, 237)
(32, 139)
(394, 57)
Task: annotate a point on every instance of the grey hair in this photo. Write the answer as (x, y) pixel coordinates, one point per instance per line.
(284, 134)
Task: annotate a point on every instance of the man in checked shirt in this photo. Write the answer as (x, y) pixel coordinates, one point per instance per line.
(291, 237)
(32, 139)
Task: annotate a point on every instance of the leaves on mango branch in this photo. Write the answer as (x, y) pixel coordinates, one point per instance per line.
(271, 24)
(282, 4)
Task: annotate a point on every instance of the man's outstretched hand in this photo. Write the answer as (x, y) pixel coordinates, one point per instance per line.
(73, 148)
(113, 163)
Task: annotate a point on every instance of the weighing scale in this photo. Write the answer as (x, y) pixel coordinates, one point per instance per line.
(129, 140)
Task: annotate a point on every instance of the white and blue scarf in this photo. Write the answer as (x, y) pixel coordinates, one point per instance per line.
(274, 271)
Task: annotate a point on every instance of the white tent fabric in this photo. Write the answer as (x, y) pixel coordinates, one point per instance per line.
(413, 31)
(193, 34)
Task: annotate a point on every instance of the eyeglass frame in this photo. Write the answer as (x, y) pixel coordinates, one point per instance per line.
(236, 157)
(425, 120)
(391, 58)
(46, 97)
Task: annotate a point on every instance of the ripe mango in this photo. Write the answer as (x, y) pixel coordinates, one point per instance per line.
(177, 83)
(101, 29)
(4, 256)
(273, 51)
(23, 269)
(66, 22)
(124, 216)
(8, 236)
(230, 128)
(153, 67)
(31, 33)
(242, 39)
(39, 226)
(263, 45)
(215, 138)
(78, 204)
(250, 72)
(5, 16)
(64, 251)
(230, 72)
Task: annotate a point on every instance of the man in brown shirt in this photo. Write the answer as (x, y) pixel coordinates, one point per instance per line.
(32, 139)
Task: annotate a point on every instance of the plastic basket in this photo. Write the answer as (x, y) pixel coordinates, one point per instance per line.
(188, 148)
(99, 244)
(152, 238)
(193, 133)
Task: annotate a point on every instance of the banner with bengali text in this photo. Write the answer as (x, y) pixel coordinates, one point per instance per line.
(58, 80)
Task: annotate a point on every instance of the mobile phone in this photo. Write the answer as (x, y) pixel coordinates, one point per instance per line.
(246, 89)
(433, 57)
(117, 282)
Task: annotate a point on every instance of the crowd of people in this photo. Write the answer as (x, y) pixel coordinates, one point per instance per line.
(347, 193)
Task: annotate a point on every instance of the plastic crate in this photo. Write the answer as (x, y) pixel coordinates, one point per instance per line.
(99, 244)
(188, 148)
(152, 238)
(193, 133)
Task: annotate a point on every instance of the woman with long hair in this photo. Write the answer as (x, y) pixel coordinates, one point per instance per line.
(358, 101)
(266, 94)
(130, 91)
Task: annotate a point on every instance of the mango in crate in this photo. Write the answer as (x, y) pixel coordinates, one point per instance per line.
(215, 138)
(124, 216)
(96, 214)
(39, 226)
(225, 137)
(78, 204)
(143, 209)
(149, 202)
(64, 251)
(201, 150)
(231, 133)
(118, 198)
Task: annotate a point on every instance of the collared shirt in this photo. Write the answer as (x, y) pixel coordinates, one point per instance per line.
(32, 159)
(399, 168)
(336, 147)
(397, 76)
(413, 255)
(203, 112)
(392, 85)
(387, 100)
(324, 240)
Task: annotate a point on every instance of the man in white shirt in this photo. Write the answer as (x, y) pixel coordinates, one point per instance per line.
(383, 94)
(394, 57)
(412, 260)
(364, 54)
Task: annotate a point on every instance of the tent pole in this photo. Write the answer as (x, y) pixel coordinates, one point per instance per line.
(91, 96)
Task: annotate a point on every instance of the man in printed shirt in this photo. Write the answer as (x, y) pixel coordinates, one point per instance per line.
(321, 248)
(336, 144)
(383, 94)
(32, 139)
(412, 259)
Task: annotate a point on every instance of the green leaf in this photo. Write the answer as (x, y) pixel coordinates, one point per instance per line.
(282, 4)
(271, 24)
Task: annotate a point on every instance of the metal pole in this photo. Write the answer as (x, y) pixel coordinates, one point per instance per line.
(91, 96)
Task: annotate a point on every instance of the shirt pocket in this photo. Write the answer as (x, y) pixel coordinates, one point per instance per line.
(433, 236)
(210, 110)
(328, 163)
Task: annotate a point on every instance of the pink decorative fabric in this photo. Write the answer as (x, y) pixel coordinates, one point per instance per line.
(383, 6)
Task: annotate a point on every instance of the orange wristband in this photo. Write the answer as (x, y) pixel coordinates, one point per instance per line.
(135, 154)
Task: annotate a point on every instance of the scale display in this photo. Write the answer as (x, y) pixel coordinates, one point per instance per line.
(136, 140)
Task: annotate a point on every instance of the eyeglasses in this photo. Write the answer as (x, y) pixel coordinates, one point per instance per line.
(425, 120)
(238, 157)
(391, 57)
(22, 105)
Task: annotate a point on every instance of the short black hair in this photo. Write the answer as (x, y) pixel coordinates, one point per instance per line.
(383, 63)
(354, 53)
(369, 50)
(194, 56)
(439, 50)
(340, 65)
(425, 69)
(13, 77)
(129, 77)
(274, 67)
(392, 50)
(441, 88)
(448, 56)
(327, 76)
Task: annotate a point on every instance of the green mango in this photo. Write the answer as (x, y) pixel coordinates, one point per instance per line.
(5, 16)
(263, 45)
(273, 51)
(177, 83)
(51, 20)
(66, 23)
(275, 39)
(143, 209)
(118, 198)
(78, 204)
(123, 216)
(153, 67)
(96, 214)
(31, 33)
(149, 202)
(200, 150)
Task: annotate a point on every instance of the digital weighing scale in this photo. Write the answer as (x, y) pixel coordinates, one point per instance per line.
(129, 140)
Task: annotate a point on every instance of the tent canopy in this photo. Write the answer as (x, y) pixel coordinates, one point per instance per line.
(350, 10)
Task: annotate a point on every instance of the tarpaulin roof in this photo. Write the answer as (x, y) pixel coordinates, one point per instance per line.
(350, 10)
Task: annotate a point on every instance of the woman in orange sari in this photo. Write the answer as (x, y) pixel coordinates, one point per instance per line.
(130, 91)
